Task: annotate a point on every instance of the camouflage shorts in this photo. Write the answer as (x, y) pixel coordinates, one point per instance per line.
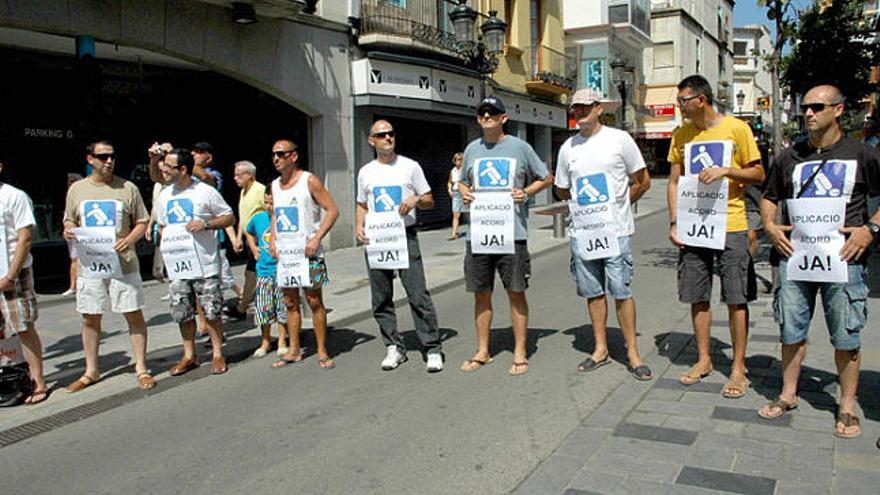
(185, 292)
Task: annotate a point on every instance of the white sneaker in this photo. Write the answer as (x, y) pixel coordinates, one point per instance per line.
(435, 362)
(393, 358)
(69, 292)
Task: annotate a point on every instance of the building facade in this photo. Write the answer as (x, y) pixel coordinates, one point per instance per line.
(408, 68)
(171, 70)
(752, 88)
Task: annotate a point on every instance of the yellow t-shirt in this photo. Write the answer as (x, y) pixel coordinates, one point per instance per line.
(745, 151)
(250, 203)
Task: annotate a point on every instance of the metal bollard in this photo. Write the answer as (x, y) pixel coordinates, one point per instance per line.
(559, 222)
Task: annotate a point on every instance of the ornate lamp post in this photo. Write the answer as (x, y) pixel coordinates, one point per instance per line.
(740, 99)
(620, 72)
(480, 55)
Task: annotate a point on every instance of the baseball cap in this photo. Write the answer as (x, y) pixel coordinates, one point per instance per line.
(589, 96)
(203, 146)
(491, 103)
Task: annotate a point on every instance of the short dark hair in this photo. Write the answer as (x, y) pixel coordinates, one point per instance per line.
(699, 85)
(184, 159)
(90, 149)
(293, 146)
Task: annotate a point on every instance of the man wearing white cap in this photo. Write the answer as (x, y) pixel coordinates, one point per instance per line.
(599, 162)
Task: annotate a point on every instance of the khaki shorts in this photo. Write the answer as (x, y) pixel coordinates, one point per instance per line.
(18, 307)
(119, 295)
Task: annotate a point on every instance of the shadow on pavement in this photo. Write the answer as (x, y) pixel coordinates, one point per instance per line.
(501, 339)
(585, 342)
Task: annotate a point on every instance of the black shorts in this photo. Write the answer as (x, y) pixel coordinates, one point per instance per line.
(738, 280)
(514, 269)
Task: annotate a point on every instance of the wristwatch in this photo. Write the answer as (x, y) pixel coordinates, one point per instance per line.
(874, 228)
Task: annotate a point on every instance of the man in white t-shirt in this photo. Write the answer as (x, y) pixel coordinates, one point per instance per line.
(202, 210)
(399, 180)
(598, 163)
(18, 313)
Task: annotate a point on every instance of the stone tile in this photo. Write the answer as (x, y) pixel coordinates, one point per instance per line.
(552, 476)
(859, 462)
(632, 486)
(598, 482)
(788, 487)
(726, 481)
(646, 418)
(656, 434)
(760, 337)
(717, 456)
(812, 423)
(702, 398)
(726, 324)
(703, 386)
(792, 469)
(574, 491)
(863, 445)
(848, 481)
(789, 436)
(639, 466)
(748, 416)
(740, 444)
(664, 394)
(582, 442)
(726, 427)
(676, 408)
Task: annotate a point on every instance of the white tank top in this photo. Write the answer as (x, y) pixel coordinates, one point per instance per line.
(299, 196)
(455, 176)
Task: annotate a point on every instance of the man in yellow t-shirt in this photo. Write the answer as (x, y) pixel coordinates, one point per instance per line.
(250, 202)
(741, 166)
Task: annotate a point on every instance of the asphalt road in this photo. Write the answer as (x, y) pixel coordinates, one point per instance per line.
(358, 429)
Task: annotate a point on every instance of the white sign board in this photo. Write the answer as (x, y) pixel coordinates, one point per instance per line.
(293, 264)
(492, 223)
(701, 213)
(97, 258)
(179, 253)
(387, 249)
(817, 240)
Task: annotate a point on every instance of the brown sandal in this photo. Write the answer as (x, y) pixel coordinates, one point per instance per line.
(738, 386)
(778, 404)
(81, 383)
(848, 421)
(520, 368)
(146, 381)
(475, 364)
(694, 375)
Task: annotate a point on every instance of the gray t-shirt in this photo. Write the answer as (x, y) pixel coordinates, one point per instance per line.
(511, 157)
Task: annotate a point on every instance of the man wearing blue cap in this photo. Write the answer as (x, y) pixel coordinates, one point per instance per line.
(526, 176)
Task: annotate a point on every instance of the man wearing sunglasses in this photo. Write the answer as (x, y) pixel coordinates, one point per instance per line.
(530, 176)
(122, 207)
(597, 151)
(297, 187)
(842, 168)
(390, 170)
(740, 164)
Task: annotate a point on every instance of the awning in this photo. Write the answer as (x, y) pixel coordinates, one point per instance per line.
(660, 102)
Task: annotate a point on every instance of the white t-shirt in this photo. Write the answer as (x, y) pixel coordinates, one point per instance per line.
(16, 212)
(611, 152)
(382, 187)
(201, 201)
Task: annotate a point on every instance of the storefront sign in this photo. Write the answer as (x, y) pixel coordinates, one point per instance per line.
(293, 265)
(701, 214)
(492, 223)
(97, 257)
(387, 249)
(179, 253)
(47, 133)
(666, 110)
(817, 240)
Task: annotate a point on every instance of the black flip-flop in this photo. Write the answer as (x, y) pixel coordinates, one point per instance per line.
(641, 372)
(590, 364)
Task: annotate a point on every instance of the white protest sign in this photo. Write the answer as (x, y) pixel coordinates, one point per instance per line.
(97, 258)
(293, 264)
(817, 240)
(701, 214)
(593, 218)
(387, 249)
(179, 253)
(492, 223)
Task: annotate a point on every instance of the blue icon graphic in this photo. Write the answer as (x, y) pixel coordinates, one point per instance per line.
(592, 189)
(179, 210)
(387, 198)
(287, 219)
(829, 183)
(99, 213)
(493, 172)
(705, 155)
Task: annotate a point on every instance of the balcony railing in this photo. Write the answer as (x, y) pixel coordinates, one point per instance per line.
(548, 69)
(419, 20)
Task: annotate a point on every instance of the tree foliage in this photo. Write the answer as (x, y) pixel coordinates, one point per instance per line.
(830, 48)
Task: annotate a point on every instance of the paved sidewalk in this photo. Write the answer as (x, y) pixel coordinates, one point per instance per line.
(690, 440)
(347, 298)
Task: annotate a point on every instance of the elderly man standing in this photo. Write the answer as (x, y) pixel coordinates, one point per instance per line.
(827, 172)
(250, 202)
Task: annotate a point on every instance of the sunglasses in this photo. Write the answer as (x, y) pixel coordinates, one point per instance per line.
(817, 107)
(282, 154)
(684, 99)
(383, 134)
(104, 156)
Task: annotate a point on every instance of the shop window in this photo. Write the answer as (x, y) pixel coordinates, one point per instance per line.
(664, 55)
(739, 48)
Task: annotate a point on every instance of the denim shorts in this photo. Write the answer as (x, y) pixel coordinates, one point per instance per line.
(590, 276)
(845, 307)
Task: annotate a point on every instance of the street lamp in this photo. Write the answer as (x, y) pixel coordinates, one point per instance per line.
(479, 55)
(740, 99)
(620, 71)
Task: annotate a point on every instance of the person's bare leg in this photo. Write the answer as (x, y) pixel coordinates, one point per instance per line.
(137, 333)
(483, 321)
(200, 315)
(91, 339)
(73, 263)
(848, 363)
(753, 242)
(188, 335)
(519, 318)
(33, 354)
(739, 335)
(597, 307)
(215, 330)
(315, 298)
(455, 219)
(265, 337)
(792, 357)
(294, 323)
(626, 316)
(701, 317)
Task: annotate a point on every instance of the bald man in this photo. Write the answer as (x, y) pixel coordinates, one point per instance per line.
(388, 183)
(828, 165)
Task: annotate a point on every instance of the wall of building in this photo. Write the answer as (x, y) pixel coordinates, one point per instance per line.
(578, 13)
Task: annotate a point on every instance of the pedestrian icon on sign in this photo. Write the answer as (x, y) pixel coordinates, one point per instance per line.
(99, 213)
(287, 219)
(493, 173)
(592, 189)
(706, 155)
(830, 182)
(180, 210)
(387, 198)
